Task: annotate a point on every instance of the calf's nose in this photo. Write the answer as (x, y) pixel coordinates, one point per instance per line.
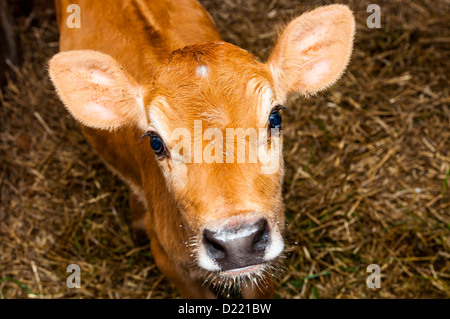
(238, 247)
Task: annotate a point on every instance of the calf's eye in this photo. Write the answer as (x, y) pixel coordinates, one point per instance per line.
(157, 145)
(275, 120)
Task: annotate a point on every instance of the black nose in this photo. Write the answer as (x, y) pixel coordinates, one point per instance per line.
(233, 248)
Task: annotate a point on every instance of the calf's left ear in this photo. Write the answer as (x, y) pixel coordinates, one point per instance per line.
(96, 90)
(313, 51)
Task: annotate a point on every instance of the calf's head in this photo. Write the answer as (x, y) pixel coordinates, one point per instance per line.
(212, 114)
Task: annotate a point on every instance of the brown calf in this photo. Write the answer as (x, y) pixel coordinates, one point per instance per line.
(171, 109)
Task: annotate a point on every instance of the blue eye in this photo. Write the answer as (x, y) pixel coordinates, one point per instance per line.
(275, 120)
(157, 145)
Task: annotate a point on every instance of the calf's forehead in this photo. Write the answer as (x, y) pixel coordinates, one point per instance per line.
(222, 90)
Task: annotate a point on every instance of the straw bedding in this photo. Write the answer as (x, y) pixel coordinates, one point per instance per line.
(367, 168)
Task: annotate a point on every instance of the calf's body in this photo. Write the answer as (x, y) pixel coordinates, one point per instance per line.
(150, 68)
(140, 35)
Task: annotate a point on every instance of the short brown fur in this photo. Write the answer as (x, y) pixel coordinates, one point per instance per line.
(150, 52)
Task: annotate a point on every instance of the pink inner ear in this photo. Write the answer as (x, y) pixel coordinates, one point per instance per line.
(307, 40)
(99, 111)
(317, 73)
(100, 78)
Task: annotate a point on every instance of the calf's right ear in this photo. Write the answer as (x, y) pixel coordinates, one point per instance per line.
(313, 51)
(96, 90)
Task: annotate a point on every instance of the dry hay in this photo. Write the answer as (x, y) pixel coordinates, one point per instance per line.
(367, 169)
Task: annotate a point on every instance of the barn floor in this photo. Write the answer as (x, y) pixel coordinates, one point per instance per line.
(367, 168)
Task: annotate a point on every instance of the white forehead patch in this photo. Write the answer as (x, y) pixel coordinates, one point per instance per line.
(202, 71)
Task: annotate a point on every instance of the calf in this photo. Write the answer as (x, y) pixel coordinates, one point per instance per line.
(193, 125)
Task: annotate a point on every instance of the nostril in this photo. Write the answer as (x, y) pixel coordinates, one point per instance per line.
(215, 249)
(217, 246)
(261, 237)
